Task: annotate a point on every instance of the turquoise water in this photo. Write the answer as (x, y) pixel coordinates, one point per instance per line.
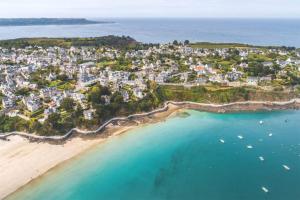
(253, 31)
(183, 158)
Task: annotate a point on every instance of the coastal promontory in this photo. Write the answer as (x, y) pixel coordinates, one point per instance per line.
(46, 21)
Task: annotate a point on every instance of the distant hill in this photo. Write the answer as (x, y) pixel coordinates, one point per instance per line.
(211, 45)
(111, 41)
(46, 21)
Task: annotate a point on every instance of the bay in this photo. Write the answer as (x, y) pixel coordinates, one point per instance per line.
(184, 158)
(283, 32)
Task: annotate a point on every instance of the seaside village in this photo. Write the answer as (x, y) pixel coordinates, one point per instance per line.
(35, 80)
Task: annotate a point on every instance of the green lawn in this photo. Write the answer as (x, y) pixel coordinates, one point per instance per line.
(208, 45)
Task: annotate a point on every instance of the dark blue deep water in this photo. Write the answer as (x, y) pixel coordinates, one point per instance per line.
(183, 159)
(252, 31)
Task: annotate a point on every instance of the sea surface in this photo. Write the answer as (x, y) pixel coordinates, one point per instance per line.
(252, 31)
(184, 158)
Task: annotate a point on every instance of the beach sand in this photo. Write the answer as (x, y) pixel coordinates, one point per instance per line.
(22, 161)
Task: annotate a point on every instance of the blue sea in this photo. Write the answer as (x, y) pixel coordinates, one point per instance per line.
(252, 31)
(183, 158)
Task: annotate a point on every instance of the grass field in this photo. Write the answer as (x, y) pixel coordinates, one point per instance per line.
(208, 45)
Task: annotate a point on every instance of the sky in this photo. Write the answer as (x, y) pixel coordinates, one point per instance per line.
(151, 8)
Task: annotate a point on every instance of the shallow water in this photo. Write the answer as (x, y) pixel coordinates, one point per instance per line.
(183, 158)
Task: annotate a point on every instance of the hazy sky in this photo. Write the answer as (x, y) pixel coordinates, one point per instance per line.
(150, 8)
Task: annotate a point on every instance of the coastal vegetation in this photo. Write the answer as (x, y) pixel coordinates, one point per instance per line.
(45, 21)
(217, 94)
(111, 41)
(211, 45)
(71, 114)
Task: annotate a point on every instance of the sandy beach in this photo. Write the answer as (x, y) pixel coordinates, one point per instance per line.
(22, 161)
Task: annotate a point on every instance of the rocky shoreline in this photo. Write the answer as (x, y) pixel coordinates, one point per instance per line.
(249, 106)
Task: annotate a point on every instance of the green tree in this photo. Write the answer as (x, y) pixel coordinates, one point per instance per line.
(117, 98)
(132, 77)
(79, 111)
(67, 104)
(53, 121)
(95, 95)
(23, 92)
(186, 42)
(96, 92)
(63, 77)
(35, 126)
(258, 69)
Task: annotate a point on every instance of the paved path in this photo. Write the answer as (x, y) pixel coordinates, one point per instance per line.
(4, 136)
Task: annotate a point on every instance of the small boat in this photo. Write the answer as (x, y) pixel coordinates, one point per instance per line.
(261, 158)
(240, 137)
(250, 147)
(271, 134)
(265, 189)
(286, 167)
(222, 141)
(261, 122)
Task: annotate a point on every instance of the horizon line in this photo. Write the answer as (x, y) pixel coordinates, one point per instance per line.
(148, 17)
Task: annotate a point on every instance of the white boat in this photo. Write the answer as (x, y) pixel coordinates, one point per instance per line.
(261, 122)
(270, 135)
(286, 167)
(261, 158)
(265, 189)
(240, 137)
(250, 147)
(222, 141)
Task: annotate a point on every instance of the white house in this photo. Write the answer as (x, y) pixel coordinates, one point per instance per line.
(7, 102)
(125, 95)
(88, 114)
(252, 81)
(138, 93)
